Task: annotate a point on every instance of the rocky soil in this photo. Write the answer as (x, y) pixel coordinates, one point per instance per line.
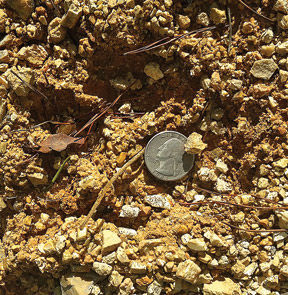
(64, 62)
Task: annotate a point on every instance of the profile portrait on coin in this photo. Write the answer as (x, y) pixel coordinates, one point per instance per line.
(170, 155)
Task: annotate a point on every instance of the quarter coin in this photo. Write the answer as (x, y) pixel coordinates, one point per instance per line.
(166, 158)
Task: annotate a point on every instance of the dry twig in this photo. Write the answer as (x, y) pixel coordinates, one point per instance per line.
(254, 11)
(108, 185)
(164, 41)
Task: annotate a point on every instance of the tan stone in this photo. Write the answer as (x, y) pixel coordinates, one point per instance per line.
(111, 241)
(226, 287)
(188, 271)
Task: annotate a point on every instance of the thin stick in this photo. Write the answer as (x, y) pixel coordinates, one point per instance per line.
(40, 124)
(254, 11)
(29, 86)
(108, 185)
(59, 170)
(236, 205)
(161, 43)
(97, 116)
(229, 195)
(255, 230)
(230, 29)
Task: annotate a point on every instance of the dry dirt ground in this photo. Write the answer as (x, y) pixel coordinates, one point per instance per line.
(64, 62)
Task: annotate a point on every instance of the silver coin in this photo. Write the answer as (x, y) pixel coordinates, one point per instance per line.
(165, 156)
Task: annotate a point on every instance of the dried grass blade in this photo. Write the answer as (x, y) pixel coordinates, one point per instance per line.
(161, 43)
(254, 11)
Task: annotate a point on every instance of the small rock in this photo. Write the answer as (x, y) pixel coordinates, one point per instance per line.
(282, 20)
(60, 244)
(207, 175)
(4, 56)
(110, 258)
(226, 287)
(197, 245)
(38, 178)
(3, 145)
(203, 19)
(267, 50)
(247, 28)
(214, 239)
(18, 86)
(236, 84)
(121, 159)
(147, 244)
(158, 201)
(263, 291)
(284, 270)
(222, 186)
(263, 182)
(264, 68)
(239, 217)
(115, 279)
(279, 236)
(283, 219)
(2, 204)
(199, 198)
(153, 71)
(183, 21)
(23, 8)
(56, 32)
(125, 108)
(283, 76)
(154, 289)
(137, 267)
(102, 269)
(282, 163)
(221, 166)
(282, 48)
(73, 284)
(67, 257)
(194, 144)
(81, 234)
(250, 269)
(48, 247)
(70, 19)
(111, 241)
(122, 256)
(281, 6)
(129, 211)
(186, 238)
(272, 102)
(126, 288)
(267, 36)
(218, 16)
(188, 271)
(128, 232)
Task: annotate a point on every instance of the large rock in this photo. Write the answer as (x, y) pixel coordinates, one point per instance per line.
(226, 287)
(73, 284)
(16, 84)
(56, 32)
(34, 54)
(111, 241)
(102, 269)
(188, 271)
(197, 245)
(70, 19)
(23, 8)
(264, 68)
(194, 144)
